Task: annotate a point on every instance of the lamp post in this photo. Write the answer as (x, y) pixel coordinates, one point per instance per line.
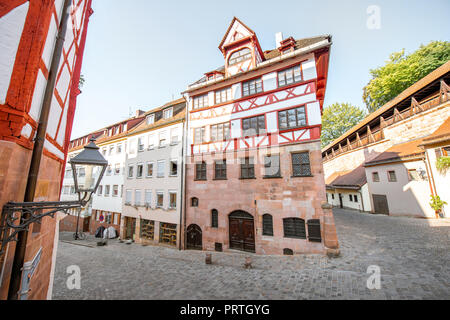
(18, 216)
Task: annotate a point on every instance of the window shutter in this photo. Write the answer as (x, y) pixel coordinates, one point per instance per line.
(314, 230)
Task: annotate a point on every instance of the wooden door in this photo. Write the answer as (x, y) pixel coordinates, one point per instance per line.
(242, 231)
(194, 237)
(341, 205)
(86, 223)
(380, 204)
(131, 227)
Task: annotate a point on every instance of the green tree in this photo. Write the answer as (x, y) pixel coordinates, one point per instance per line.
(337, 119)
(401, 71)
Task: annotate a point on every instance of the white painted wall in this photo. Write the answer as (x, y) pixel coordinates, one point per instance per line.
(11, 27)
(441, 181)
(405, 198)
(362, 202)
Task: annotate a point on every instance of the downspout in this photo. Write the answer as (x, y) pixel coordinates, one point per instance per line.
(185, 129)
(362, 200)
(19, 255)
(183, 201)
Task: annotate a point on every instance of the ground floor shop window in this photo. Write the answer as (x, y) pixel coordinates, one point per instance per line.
(147, 229)
(168, 233)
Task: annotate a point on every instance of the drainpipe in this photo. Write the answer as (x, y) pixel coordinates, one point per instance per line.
(183, 181)
(19, 255)
(362, 200)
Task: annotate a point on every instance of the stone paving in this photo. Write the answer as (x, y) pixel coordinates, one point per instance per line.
(413, 256)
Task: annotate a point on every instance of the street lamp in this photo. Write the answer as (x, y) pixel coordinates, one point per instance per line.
(91, 161)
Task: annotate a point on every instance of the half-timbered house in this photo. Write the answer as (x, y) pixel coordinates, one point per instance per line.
(254, 178)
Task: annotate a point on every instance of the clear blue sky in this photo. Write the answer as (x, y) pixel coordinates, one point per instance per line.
(141, 53)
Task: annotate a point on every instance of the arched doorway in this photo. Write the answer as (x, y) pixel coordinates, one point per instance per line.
(194, 237)
(242, 231)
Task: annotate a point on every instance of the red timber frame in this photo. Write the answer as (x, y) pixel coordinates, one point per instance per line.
(14, 114)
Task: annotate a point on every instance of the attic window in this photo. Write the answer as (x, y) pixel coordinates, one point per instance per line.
(151, 118)
(238, 56)
(168, 113)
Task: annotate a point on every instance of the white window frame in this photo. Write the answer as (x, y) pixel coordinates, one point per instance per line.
(163, 168)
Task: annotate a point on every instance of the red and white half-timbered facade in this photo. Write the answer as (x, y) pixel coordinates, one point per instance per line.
(254, 178)
(28, 32)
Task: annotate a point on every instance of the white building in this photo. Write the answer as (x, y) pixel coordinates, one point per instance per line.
(152, 201)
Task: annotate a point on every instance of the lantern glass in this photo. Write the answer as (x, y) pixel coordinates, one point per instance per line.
(87, 177)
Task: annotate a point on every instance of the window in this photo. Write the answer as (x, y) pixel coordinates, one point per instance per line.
(292, 118)
(72, 189)
(272, 166)
(108, 170)
(108, 218)
(130, 171)
(148, 197)
(252, 87)
(137, 197)
(149, 169)
(438, 153)
(413, 175)
(159, 199)
(223, 95)
(391, 176)
(150, 118)
(117, 168)
(128, 197)
(375, 177)
(214, 218)
(238, 56)
(173, 135)
(445, 151)
(247, 168)
(167, 113)
(194, 202)
(111, 150)
(173, 168)
(140, 144)
(201, 101)
(172, 199)
(116, 218)
(294, 228)
(200, 171)
(115, 190)
(355, 198)
(81, 172)
(288, 76)
(139, 170)
(147, 229)
(267, 225)
(160, 168)
(100, 190)
(314, 233)
(151, 142)
(351, 197)
(199, 135)
(220, 132)
(300, 164)
(220, 169)
(162, 139)
(168, 233)
(254, 126)
(107, 189)
(121, 190)
(132, 146)
(119, 148)
(332, 196)
(104, 151)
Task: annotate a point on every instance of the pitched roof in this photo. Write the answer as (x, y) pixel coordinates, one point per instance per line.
(351, 179)
(400, 152)
(440, 135)
(299, 43)
(229, 28)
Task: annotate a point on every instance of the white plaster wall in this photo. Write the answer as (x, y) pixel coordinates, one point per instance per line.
(270, 81)
(11, 27)
(314, 116)
(406, 198)
(309, 69)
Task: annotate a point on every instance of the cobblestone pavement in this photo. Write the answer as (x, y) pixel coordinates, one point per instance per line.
(413, 256)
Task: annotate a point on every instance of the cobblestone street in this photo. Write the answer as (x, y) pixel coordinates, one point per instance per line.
(413, 255)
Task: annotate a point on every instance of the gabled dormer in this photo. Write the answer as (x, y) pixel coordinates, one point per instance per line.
(240, 48)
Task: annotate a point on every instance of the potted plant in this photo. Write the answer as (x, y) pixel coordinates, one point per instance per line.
(437, 204)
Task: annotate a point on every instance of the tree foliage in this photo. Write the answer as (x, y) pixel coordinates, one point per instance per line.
(401, 71)
(337, 119)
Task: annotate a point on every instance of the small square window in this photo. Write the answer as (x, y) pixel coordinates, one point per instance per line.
(173, 168)
(159, 199)
(391, 176)
(375, 177)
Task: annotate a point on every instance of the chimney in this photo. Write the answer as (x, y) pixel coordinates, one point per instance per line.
(139, 112)
(278, 38)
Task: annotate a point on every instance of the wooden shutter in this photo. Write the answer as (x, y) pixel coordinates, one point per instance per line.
(314, 230)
